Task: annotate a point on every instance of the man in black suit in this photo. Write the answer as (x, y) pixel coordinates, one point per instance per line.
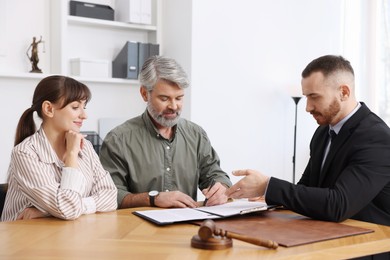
(347, 176)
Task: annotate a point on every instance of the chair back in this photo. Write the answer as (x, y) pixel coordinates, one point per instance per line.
(3, 193)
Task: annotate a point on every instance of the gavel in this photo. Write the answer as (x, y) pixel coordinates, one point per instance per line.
(208, 229)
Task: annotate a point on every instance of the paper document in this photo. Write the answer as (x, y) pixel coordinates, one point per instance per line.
(169, 216)
(237, 207)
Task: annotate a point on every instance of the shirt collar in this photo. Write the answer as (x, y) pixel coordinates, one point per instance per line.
(44, 149)
(152, 128)
(337, 127)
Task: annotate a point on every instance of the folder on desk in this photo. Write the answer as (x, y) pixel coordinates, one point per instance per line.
(287, 229)
(170, 216)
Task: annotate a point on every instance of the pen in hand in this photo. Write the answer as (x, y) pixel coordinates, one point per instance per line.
(211, 185)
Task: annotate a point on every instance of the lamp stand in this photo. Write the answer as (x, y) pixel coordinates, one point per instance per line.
(296, 100)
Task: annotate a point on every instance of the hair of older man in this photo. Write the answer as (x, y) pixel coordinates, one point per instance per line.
(158, 68)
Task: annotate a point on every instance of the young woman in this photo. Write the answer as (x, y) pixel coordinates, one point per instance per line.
(55, 171)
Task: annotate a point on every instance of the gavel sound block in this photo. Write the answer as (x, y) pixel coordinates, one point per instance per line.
(209, 237)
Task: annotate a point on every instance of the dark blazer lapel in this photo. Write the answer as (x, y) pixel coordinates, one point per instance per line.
(320, 139)
(343, 135)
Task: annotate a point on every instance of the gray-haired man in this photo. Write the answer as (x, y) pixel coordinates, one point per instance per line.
(158, 158)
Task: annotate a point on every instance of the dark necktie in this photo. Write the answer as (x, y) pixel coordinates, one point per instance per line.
(332, 135)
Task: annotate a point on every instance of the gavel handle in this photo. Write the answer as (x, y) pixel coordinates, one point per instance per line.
(253, 240)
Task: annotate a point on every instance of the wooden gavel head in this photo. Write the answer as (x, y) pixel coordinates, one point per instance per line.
(206, 239)
(206, 230)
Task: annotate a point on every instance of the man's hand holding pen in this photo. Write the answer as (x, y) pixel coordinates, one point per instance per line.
(215, 194)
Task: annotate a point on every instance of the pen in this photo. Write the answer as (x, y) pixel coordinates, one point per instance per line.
(256, 209)
(211, 185)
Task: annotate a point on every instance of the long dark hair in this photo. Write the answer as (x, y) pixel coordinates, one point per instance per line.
(53, 89)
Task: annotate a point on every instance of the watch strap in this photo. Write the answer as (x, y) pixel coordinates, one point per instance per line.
(151, 200)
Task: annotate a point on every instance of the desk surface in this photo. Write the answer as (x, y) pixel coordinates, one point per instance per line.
(122, 235)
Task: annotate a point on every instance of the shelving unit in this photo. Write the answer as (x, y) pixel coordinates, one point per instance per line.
(82, 79)
(23, 75)
(94, 39)
(27, 76)
(91, 39)
(109, 24)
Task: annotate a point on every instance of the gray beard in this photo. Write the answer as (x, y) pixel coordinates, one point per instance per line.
(160, 119)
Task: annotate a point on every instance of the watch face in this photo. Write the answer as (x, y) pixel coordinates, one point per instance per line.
(153, 193)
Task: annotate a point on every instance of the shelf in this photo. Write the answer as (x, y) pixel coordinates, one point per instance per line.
(81, 79)
(108, 80)
(23, 75)
(77, 20)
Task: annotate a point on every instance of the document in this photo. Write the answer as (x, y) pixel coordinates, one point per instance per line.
(170, 216)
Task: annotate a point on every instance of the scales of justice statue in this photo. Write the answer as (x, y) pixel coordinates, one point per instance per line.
(34, 59)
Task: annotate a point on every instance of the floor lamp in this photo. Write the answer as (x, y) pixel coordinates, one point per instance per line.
(296, 100)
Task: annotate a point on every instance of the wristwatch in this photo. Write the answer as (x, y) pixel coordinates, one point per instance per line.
(152, 195)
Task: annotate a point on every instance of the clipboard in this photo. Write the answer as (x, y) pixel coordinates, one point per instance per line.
(176, 215)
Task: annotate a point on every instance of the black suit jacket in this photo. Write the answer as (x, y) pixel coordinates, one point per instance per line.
(355, 179)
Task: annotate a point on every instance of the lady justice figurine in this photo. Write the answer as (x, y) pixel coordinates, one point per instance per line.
(34, 59)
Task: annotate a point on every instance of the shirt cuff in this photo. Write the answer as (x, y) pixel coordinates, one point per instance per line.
(266, 188)
(89, 205)
(120, 196)
(72, 179)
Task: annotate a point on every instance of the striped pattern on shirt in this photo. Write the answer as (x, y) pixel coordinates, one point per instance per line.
(37, 178)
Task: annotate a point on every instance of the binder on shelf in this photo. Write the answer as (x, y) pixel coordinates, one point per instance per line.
(145, 50)
(128, 63)
(154, 49)
(125, 65)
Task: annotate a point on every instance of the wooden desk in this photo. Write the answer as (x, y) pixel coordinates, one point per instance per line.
(122, 235)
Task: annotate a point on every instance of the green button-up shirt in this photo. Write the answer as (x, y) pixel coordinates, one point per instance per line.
(139, 159)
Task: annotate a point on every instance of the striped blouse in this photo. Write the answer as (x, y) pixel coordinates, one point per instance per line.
(37, 178)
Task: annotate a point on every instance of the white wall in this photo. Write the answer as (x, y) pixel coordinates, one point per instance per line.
(13, 101)
(21, 24)
(176, 37)
(245, 61)
(16, 36)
